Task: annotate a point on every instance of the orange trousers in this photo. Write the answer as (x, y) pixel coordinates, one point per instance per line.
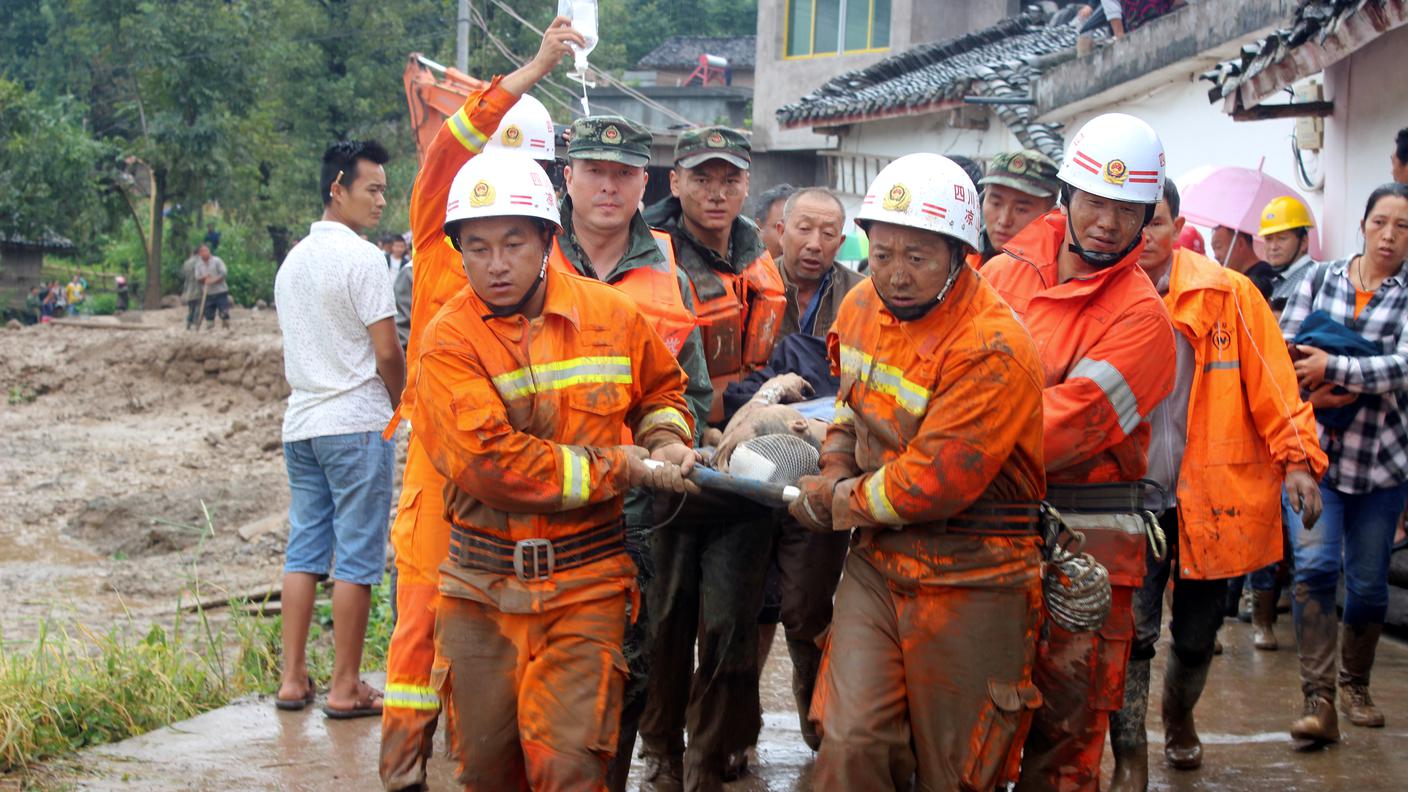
(1081, 678)
(421, 540)
(931, 679)
(533, 699)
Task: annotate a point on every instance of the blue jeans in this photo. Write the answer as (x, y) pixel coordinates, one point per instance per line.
(340, 506)
(1355, 533)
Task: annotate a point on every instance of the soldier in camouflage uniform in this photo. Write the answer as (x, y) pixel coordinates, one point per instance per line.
(604, 237)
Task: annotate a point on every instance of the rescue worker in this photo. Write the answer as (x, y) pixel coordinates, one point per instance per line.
(1285, 230)
(605, 238)
(1221, 513)
(1019, 187)
(935, 456)
(501, 116)
(712, 560)
(529, 378)
(1106, 343)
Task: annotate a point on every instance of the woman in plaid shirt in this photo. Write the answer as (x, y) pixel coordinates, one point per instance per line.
(1366, 485)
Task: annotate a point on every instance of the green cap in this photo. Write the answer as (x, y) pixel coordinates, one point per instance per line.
(1027, 171)
(610, 138)
(697, 146)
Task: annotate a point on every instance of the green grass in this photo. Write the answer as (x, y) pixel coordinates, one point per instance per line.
(74, 688)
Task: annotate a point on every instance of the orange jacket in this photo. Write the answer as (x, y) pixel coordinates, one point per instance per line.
(1247, 424)
(935, 414)
(1107, 347)
(420, 534)
(524, 418)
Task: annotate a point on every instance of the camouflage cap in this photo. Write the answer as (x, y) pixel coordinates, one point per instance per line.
(610, 138)
(697, 146)
(1027, 171)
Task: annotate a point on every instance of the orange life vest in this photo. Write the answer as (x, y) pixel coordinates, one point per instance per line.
(655, 290)
(740, 326)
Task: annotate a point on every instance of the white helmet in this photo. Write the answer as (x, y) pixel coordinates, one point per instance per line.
(925, 191)
(500, 184)
(526, 129)
(1116, 156)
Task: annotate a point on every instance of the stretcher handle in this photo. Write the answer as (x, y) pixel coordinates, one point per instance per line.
(763, 492)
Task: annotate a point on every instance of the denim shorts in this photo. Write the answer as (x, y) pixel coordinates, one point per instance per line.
(340, 506)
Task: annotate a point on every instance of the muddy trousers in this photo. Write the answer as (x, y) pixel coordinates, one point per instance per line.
(928, 682)
(710, 565)
(411, 706)
(1197, 605)
(533, 700)
(1081, 678)
(809, 568)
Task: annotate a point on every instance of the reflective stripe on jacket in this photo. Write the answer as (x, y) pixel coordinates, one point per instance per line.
(1107, 347)
(525, 418)
(1247, 424)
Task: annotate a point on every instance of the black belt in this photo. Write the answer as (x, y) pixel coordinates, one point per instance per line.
(991, 519)
(535, 559)
(1118, 497)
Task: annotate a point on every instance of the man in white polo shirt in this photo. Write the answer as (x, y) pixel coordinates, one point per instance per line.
(346, 371)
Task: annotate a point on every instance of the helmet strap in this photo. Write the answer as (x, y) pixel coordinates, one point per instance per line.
(1091, 257)
(499, 312)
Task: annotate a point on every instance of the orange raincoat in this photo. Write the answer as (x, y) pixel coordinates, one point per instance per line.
(1247, 425)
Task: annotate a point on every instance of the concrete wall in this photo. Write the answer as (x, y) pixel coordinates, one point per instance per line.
(779, 81)
(1370, 96)
(742, 78)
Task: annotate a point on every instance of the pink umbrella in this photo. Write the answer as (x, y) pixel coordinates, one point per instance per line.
(1234, 197)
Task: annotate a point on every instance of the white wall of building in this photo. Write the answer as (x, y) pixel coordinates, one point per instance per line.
(1371, 105)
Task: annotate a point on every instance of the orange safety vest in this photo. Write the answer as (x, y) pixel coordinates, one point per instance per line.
(655, 290)
(739, 327)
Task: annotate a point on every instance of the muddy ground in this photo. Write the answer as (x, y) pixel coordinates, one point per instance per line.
(133, 455)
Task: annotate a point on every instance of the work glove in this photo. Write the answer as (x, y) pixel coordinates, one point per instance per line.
(813, 507)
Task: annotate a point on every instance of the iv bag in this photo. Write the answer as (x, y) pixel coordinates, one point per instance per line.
(583, 16)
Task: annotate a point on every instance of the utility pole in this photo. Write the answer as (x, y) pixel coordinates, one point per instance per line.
(462, 38)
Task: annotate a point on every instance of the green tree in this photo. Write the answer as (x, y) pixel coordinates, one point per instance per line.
(49, 168)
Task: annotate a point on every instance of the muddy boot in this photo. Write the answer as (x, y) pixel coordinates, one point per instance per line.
(664, 769)
(698, 778)
(1183, 686)
(1245, 605)
(1316, 635)
(224, 323)
(1357, 646)
(1128, 739)
(806, 661)
(1264, 620)
(1317, 723)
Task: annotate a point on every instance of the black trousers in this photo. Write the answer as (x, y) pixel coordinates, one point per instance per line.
(710, 565)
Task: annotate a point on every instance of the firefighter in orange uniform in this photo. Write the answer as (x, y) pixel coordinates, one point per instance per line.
(1107, 346)
(604, 237)
(935, 456)
(529, 379)
(503, 117)
(711, 561)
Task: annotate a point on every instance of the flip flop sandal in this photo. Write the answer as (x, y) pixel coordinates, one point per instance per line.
(294, 705)
(372, 710)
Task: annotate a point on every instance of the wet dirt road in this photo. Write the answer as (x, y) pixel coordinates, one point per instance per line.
(1250, 699)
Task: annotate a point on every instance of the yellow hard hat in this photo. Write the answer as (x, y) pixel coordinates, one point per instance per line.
(1284, 214)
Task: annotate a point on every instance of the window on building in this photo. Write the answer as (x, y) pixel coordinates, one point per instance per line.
(826, 27)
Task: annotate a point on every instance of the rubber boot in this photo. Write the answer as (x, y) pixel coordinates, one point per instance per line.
(1128, 738)
(806, 661)
(1357, 646)
(664, 767)
(1245, 605)
(1183, 686)
(698, 778)
(1264, 620)
(1315, 639)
